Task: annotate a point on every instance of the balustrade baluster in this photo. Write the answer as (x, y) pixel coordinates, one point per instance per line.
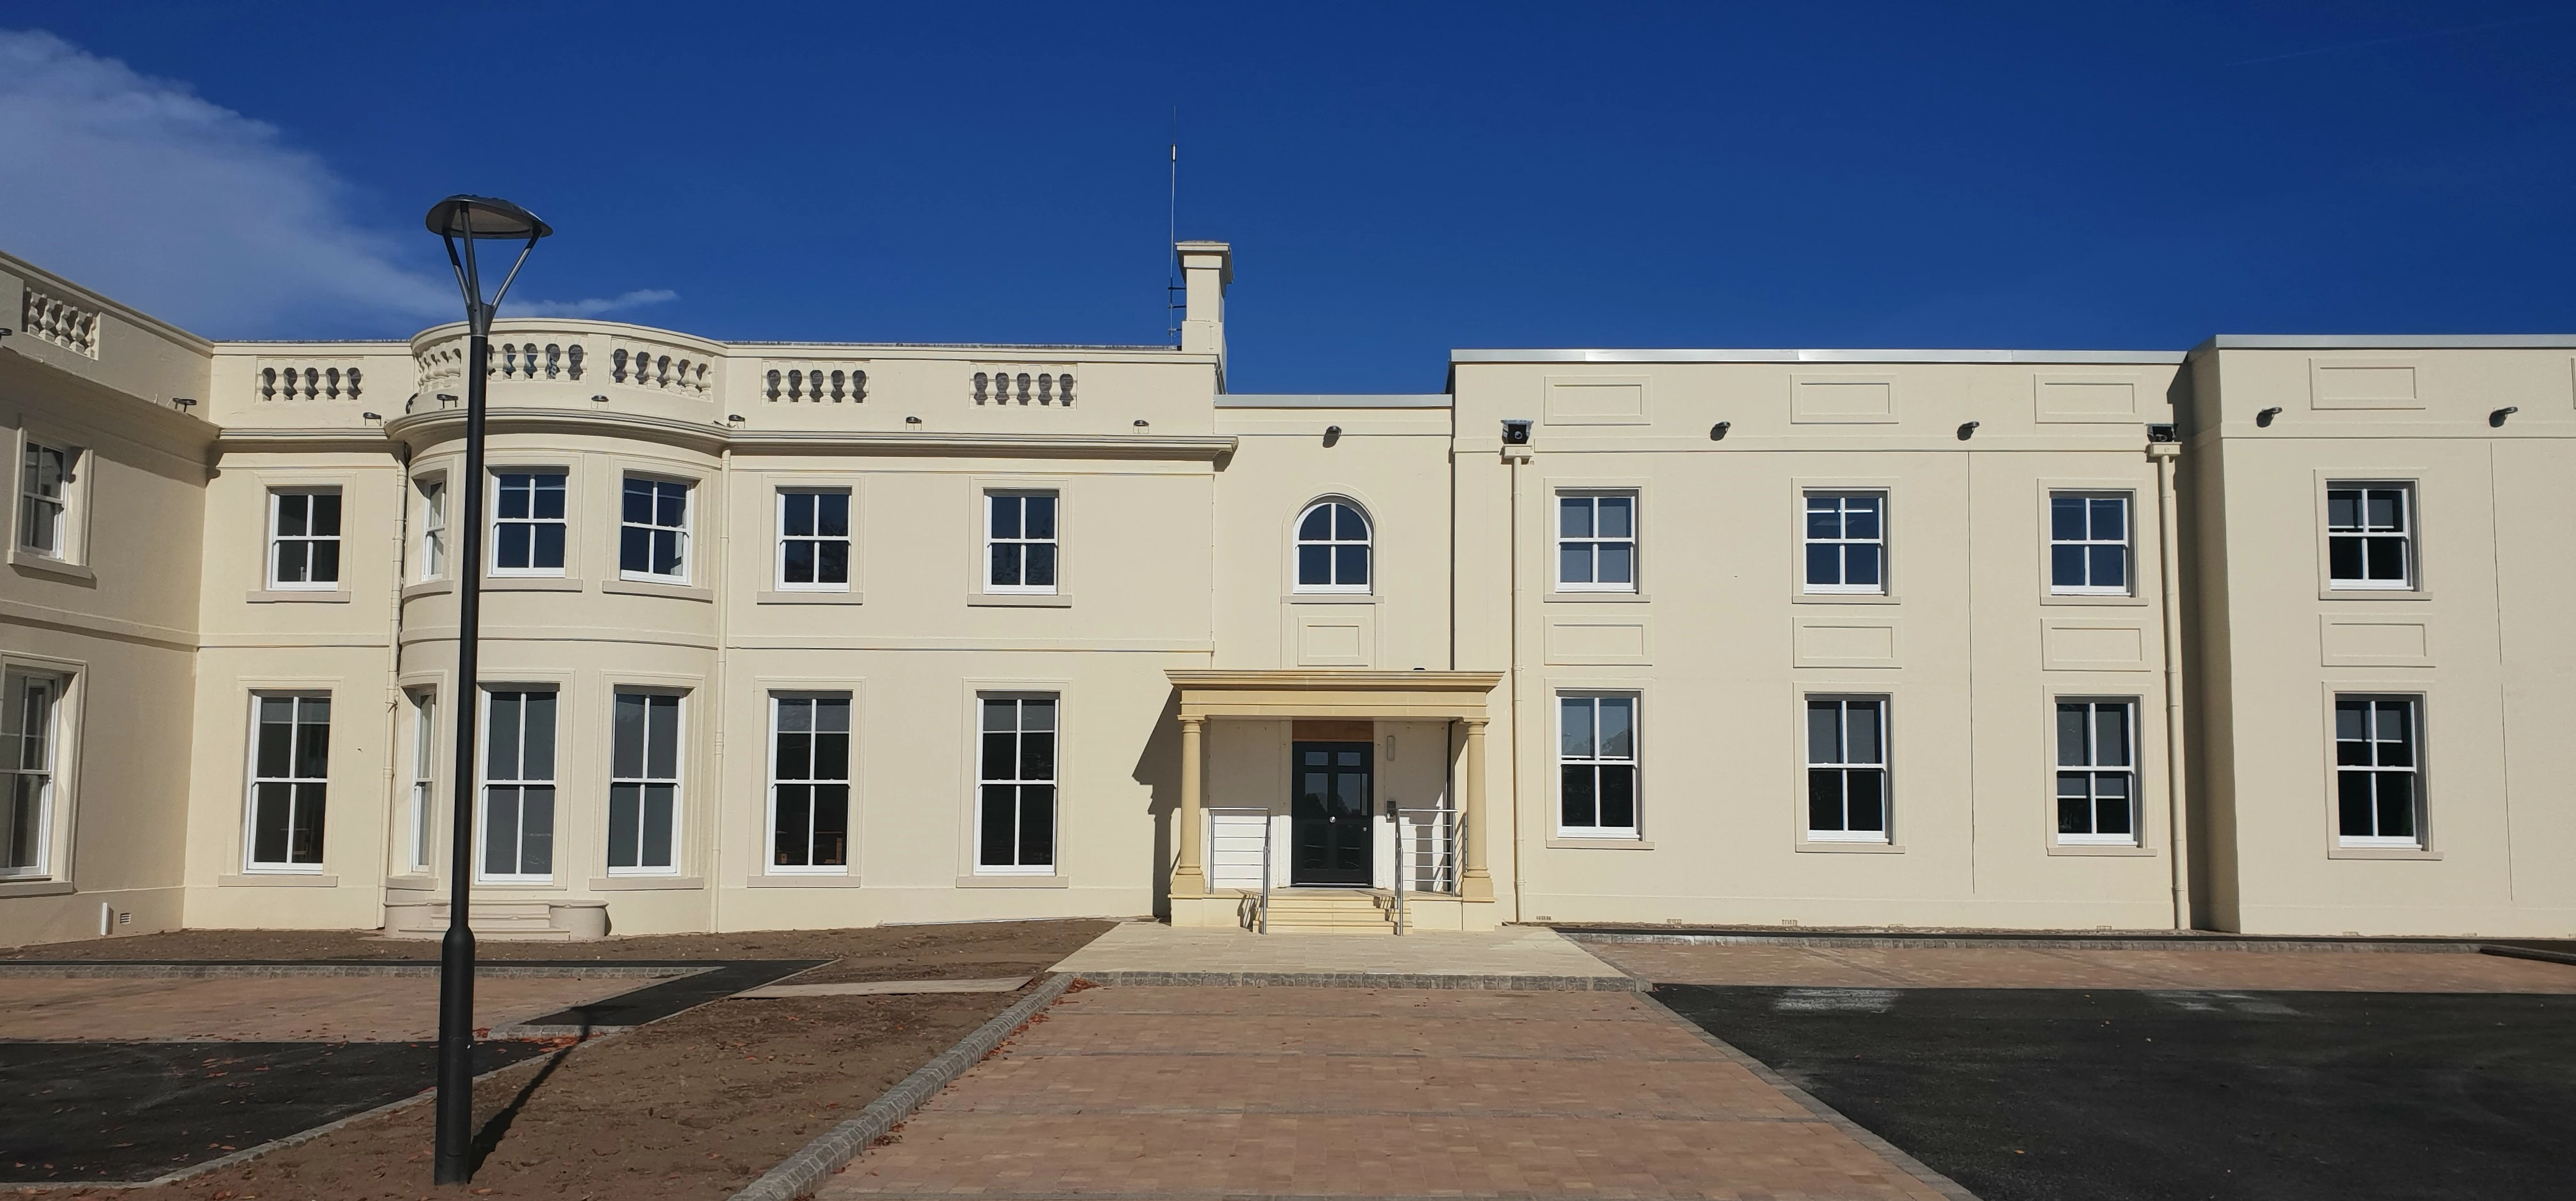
(1064, 389)
(572, 355)
(619, 372)
(1046, 388)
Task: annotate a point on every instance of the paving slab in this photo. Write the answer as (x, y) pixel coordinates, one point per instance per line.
(1150, 953)
(883, 988)
(273, 1009)
(2007, 966)
(1155, 1092)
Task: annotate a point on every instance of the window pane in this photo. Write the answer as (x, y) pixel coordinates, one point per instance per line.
(2352, 720)
(1037, 825)
(832, 715)
(291, 522)
(831, 755)
(2074, 813)
(626, 753)
(325, 564)
(2353, 809)
(268, 817)
(1348, 525)
(2110, 519)
(2387, 509)
(1041, 564)
(832, 514)
(625, 818)
(1037, 756)
(1824, 732)
(1037, 714)
(832, 825)
(834, 565)
(501, 760)
(1575, 808)
(1040, 515)
(2343, 509)
(1617, 563)
(1314, 564)
(1824, 563)
(1618, 727)
(634, 549)
(1618, 798)
(1006, 564)
(2111, 808)
(1860, 563)
(2066, 566)
(1860, 517)
(512, 546)
(2387, 558)
(662, 737)
(794, 818)
(1001, 715)
(2066, 518)
(2111, 735)
(796, 513)
(1574, 723)
(1574, 516)
(1824, 799)
(540, 754)
(1824, 517)
(548, 553)
(659, 800)
(671, 504)
(313, 741)
(639, 502)
(276, 735)
(797, 563)
(1574, 562)
(2396, 805)
(548, 499)
(2110, 566)
(1318, 525)
(1617, 516)
(501, 831)
(1865, 801)
(1001, 755)
(1352, 565)
(2071, 749)
(1001, 813)
(1006, 516)
(537, 831)
(1861, 732)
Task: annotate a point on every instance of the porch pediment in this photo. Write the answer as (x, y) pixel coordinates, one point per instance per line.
(1335, 693)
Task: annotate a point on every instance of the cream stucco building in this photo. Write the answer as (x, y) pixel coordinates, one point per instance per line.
(2264, 636)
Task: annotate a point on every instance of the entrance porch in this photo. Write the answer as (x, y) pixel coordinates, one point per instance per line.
(1348, 801)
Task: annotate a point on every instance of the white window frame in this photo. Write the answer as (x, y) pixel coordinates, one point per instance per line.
(493, 514)
(679, 533)
(2413, 707)
(552, 781)
(2127, 543)
(277, 540)
(1594, 762)
(31, 499)
(848, 539)
(433, 548)
(424, 777)
(293, 782)
(1634, 541)
(647, 779)
(1052, 782)
(778, 702)
(1055, 542)
(2404, 535)
(1883, 765)
(30, 769)
(1333, 544)
(1842, 560)
(2088, 765)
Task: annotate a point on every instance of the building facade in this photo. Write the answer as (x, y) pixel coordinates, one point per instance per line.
(2256, 637)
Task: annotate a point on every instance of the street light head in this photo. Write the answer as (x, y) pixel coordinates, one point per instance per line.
(484, 217)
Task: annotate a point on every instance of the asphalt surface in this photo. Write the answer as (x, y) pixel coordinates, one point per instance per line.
(132, 1111)
(2023, 1094)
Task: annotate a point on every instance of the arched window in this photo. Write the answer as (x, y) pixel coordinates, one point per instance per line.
(1332, 548)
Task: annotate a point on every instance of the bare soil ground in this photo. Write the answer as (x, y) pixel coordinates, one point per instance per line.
(689, 1108)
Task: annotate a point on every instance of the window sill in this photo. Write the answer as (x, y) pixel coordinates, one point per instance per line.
(2085, 598)
(43, 565)
(294, 596)
(657, 588)
(1829, 846)
(1329, 598)
(817, 880)
(1581, 842)
(2373, 594)
(2113, 849)
(412, 882)
(531, 583)
(1002, 881)
(806, 598)
(1596, 598)
(518, 886)
(644, 883)
(430, 588)
(2344, 852)
(35, 888)
(278, 880)
(1843, 598)
(1020, 600)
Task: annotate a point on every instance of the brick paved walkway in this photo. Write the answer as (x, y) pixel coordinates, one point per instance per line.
(2060, 967)
(1152, 1093)
(273, 1008)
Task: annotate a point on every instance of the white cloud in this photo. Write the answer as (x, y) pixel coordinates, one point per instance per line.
(198, 214)
(588, 308)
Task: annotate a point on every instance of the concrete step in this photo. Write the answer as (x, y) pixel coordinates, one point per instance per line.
(1330, 911)
(497, 921)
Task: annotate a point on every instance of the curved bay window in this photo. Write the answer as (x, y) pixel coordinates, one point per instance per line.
(1332, 548)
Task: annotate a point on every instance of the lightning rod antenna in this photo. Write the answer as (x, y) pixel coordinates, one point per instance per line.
(1172, 302)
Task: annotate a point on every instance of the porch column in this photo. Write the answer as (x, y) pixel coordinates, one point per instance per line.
(1474, 882)
(1188, 879)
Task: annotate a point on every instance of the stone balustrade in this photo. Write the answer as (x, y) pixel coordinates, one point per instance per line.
(282, 380)
(1024, 385)
(814, 383)
(61, 322)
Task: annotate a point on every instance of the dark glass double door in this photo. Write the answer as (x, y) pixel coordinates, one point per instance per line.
(1330, 831)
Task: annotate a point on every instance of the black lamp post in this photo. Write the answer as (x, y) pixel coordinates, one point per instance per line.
(464, 221)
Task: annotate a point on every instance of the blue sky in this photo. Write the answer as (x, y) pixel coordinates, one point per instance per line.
(1397, 179)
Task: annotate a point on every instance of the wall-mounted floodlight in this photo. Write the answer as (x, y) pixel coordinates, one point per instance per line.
(1516, 431)
(1141, 423)
(912, 421)
(1967, 430)
(735, 418)
(373, 416)
(2497, 418)
(185, 403)
(1332, 434)
(1717, 432)
(2264, 418)
(2162, 431)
